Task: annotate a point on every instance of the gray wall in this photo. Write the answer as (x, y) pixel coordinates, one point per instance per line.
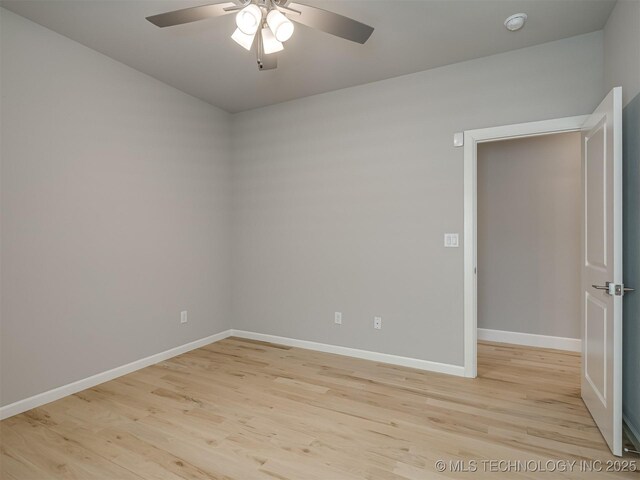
(622, 49)
(341, 200)
(529, 234)
(115, 205)
(622, 67)
(631, 304)
(115, 213)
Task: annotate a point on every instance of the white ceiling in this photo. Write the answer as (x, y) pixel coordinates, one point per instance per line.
(201, 59)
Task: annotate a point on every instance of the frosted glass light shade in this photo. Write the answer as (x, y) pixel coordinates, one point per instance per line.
(280, 25)
(243, 39)
(269, 42)
(248, 19)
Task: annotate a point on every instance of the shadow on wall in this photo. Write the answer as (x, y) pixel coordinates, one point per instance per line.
(631, 232)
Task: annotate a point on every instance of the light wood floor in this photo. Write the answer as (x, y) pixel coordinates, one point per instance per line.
(241, 409)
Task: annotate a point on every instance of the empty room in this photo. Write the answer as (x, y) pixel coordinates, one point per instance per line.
(323, 240)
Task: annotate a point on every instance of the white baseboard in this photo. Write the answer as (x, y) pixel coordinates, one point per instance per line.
(77, 386)
(530, 339)
(632, 431)
(353, 352)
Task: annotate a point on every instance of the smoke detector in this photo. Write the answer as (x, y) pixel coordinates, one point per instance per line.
(515, 22)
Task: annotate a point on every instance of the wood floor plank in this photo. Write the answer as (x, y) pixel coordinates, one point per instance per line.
(244, 409)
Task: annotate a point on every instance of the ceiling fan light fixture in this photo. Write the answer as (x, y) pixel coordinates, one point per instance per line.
(262, 25)
(242, 39)
(280, 25)
(270, 43)
(249, 19)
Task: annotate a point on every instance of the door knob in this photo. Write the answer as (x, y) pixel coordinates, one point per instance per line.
(614, 288)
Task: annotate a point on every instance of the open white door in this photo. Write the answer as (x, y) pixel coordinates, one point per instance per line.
(601, 278)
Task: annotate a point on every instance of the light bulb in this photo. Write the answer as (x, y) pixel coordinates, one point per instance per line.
(270, 43)
(280, 25)
(248, 19)
(243, 39)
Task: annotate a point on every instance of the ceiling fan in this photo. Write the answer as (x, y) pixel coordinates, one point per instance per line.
(263, 25)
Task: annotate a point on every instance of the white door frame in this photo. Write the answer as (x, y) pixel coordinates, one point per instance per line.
(471, 140)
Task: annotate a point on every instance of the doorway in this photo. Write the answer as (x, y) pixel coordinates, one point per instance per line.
(471, 141)
(601, 285)
(528, 271)
(528, 241)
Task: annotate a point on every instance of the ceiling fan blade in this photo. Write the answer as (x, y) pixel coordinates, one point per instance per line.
(330, 22)
(193, 14)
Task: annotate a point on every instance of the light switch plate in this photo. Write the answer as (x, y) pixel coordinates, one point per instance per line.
(458, 139)
(451, 240)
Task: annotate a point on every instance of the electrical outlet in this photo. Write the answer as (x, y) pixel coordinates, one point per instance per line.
(337, 318)
(183, 316)
(377, 323)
